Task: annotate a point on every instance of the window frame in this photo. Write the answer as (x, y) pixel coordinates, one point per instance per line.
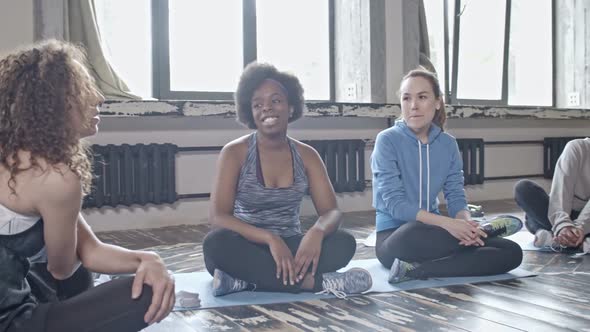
(161, 53)
(452, 77)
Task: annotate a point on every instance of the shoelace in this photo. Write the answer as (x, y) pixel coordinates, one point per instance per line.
(498, 229)
(556, 247)
(331, 286)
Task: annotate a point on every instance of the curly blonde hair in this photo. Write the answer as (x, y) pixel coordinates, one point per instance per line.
(40, 88)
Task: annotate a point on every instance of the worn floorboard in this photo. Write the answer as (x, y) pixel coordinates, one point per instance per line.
(558, 299)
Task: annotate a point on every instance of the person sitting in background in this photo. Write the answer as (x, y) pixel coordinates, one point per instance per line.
(261, 179)
(412, 162)
(562, 218)
(48, 102)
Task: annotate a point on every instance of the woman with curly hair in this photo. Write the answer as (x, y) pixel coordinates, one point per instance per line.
(260, 183)
(48, 102)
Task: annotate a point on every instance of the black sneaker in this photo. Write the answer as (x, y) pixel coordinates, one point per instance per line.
(502, 226)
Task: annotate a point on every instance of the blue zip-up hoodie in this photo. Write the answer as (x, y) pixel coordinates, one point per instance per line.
(408, 175)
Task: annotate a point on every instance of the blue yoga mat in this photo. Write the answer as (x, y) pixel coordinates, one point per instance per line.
(201, 283)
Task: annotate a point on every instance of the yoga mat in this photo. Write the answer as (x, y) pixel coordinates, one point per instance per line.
(525, 240)
(201, 283)
(371, 240)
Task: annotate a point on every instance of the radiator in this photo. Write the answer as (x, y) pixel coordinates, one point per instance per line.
(132, 174)
(472, 151)
(345, 162)
(143, 174)
(552, 149)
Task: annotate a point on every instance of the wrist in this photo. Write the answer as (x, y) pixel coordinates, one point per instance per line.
(269, 238)
(446, 222)
(317, 230)
(148, 256)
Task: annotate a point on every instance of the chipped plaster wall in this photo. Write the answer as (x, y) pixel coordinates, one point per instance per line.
(212, 124)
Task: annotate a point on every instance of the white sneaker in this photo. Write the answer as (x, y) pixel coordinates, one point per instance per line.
(586, 246)
(544, 239)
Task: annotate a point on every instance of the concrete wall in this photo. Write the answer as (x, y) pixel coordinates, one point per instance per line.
(195, 170)
(16, 24)
(352, 59)
(573, 54)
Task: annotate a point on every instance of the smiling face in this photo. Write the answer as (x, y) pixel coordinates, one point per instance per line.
(270, 108)
(419, 104)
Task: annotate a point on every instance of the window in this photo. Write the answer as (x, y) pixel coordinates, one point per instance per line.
(196, 49)
(493, 52)
(128, 47)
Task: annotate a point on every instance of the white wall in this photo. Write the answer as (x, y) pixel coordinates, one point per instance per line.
(16, 24)
(195, 170)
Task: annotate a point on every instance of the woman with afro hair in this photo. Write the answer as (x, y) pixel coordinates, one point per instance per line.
(257, 242)
(48, 102)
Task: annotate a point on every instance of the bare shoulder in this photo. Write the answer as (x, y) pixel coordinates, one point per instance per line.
(236, 150)
(55, 182)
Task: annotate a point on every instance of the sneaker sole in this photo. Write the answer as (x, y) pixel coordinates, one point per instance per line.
(364, 271)
(542, 240)
(394, 270)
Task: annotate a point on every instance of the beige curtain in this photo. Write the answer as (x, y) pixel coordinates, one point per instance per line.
(75, 21)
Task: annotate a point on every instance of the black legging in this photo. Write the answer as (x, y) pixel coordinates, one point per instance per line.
(83, 308)
(441, 255)
(230, 252)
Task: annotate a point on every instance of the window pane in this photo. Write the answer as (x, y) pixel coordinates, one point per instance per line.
(205, 45)
(481, 49)
(302, 47)
(128, 47)
(531, 61)
(436, 36)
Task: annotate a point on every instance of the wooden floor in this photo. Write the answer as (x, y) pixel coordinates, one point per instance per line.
(555, 300)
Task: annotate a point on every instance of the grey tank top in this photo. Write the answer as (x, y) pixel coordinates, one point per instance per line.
(272, 209)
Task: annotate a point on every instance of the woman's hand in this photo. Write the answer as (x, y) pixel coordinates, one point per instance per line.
(152, 272)
(466, 231)
(283, 259)
(308, 253)
(570, 236)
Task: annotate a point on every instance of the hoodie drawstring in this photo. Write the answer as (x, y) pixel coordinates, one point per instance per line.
(420, 182)
(427, 176)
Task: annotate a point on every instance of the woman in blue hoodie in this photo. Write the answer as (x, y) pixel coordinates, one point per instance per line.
(412, 162)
